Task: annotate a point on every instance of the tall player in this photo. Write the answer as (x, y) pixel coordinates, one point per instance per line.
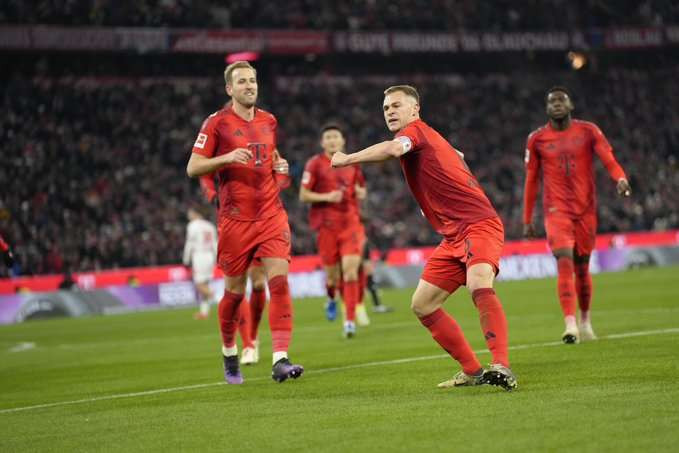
(333, 194)
(239, 143)
(564, 149)
(455, 205)
(250, 310)
(200, 252)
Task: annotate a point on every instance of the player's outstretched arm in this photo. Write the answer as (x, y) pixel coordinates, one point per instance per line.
(309, 196)
(375, 153)
(200, 165)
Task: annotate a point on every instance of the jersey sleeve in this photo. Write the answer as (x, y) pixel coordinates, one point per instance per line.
(309, 176)
(206, 142)
(360, 177)
(207, 186)
(530, 190)
(604, 150)
(188, 246)
(411, 138)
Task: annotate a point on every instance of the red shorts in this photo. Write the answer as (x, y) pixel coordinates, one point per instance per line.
(334, 244)
(480, 242)
(577, 234)
(242, 242)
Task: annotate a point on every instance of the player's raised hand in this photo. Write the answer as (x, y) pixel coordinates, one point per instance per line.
(624, 189)
(339, 159)
(238, 156)
(529, 230)
(280, 165)
(335, 196)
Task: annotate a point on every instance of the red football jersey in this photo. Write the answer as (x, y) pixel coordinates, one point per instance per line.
(566, 160)
(3, 245)
(246, 191)
(448, 194)
(319, 176)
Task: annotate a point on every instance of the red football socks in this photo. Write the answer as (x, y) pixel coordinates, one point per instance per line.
(566, 285)
(350, 293)
(257, 304)
(362, 281)
(447, 333)
(228, 314)
(280, 313)
(493, 324)
(244, 325)
(583, 285)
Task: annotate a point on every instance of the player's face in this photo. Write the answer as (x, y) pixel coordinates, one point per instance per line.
(243, 87)
(399, 110)
(332, 141)
(559, 105)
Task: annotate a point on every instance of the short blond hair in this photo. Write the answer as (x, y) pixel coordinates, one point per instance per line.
(228, 72)
(409, 90)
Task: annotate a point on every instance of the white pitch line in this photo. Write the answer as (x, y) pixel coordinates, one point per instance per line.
(25, 346)
(322, 371)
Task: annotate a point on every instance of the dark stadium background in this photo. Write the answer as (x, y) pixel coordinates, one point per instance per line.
(96, 134)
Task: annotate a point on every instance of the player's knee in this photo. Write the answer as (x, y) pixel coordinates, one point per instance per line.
(563, 253)
(350, 275)
(422, 306)
(480, 277)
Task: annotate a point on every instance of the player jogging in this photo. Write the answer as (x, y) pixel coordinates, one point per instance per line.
(239, 143)
(200, 252)
(563, 149)
(334, 214)
(453, 202)
(250, 310)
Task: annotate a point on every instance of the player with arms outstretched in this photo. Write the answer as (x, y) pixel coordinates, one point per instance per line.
(238, 142)
(334, 215)
(564, 149)
(473, 236)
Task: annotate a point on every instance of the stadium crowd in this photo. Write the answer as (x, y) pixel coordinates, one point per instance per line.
(94, 173)
(501, 15)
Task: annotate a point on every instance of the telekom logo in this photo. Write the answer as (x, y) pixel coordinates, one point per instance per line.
(87, 281)
(177, 273)
(414, 256)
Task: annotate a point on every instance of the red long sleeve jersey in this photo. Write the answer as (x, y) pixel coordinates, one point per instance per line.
(319, 176)
(246, 191)
(566, 160)
(448, 194)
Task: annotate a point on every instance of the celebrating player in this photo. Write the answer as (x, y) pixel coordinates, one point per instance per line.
(564, 149)
(454, 203)
(239, 143)
(250, 310)
(333, 194)
(200, 252)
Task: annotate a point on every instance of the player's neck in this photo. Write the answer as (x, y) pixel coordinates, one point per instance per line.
(247, 113)
(560, 124)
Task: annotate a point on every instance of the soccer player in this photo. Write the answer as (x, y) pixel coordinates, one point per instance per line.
(334, 214)
(250, 311)
(564, 149)
(200, 252)
(453, 202)
(239, 143)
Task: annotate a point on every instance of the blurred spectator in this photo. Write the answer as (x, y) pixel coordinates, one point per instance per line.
(98, 165)
(498, 15)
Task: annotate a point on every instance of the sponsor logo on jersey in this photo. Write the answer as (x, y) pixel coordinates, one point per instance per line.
(238, 133)
(201, 141)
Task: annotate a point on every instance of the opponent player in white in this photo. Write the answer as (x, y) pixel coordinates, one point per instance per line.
(200, 252)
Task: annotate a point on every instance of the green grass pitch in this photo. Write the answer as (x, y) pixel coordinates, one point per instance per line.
(152, 381)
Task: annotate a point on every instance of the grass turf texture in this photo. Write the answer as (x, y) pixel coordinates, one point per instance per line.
(617, 394)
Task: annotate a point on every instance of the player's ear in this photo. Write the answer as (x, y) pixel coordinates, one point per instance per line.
(416, 109)
(228, 89)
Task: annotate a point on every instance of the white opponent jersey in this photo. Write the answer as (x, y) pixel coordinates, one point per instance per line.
(201, 241)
